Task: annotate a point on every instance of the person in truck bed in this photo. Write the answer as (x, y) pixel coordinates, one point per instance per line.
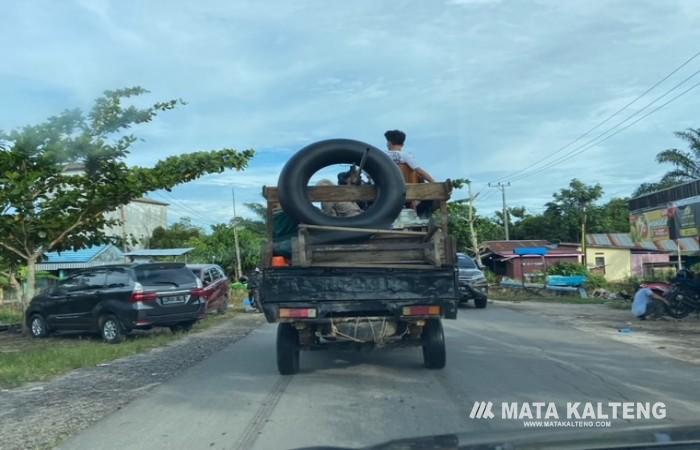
(410, 170)
(338, 209)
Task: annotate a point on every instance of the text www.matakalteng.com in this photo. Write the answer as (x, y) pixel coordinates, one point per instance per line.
(567, 424)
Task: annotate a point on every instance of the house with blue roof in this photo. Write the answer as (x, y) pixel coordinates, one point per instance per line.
(68, 260)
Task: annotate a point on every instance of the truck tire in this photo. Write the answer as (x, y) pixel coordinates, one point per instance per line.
(287, 349)
(434, 356)
(295, 176)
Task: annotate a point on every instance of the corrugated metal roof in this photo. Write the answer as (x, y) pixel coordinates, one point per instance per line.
(598, 239)
(160, 252)
(689, 244)
(75, 256)
(505, 248)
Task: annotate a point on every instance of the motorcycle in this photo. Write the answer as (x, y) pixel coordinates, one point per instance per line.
(684, 295)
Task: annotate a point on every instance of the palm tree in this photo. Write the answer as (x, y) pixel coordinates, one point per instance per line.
(687, 164)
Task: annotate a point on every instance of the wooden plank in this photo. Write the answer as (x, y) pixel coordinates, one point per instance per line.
(363, 230)
(415, 256)
(414, 191)
(370, 265)
(384, 246)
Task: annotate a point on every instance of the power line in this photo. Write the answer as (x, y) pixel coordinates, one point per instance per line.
(607, 119)
(595, 142)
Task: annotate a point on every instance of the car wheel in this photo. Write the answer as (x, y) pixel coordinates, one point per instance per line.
(182, 327)
(37, 326)
(434, 356)
(111, 329)
(480, 302)
(287, 349)
(387, 178)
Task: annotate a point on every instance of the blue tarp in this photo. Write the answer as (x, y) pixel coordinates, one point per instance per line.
(523, 251)
(561, 280)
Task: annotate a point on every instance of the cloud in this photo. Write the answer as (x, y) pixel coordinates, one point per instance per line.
(483, 88)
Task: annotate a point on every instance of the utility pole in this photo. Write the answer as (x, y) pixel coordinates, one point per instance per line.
(235, 236)
(583, 237)
(502, 186)
(472, 230)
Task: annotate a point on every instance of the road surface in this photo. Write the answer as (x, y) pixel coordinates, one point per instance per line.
(236, 400)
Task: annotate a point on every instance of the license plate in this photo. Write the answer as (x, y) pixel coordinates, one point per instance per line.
(173, 299)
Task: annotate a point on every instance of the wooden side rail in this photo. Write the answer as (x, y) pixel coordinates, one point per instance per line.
(421, 191)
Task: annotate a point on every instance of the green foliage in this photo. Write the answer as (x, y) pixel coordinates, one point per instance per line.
(595, 281)
(491, 277)
(566, 269)
(686, 164)
(176, 235)
(217, 246)
(44, 208)
(561, 221)
(458, 225)
(695, 268)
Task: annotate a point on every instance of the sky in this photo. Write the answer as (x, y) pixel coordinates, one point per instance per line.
(484, 89)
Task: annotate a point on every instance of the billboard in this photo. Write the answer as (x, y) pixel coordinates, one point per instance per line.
(680, 219)
(684, 217)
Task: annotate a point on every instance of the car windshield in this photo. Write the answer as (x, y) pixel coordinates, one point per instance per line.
(176, 276)
(346, 222)
(466, 262)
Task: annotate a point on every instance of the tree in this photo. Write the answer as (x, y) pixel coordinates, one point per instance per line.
(176, 235)
(43, 208)
(686, 164)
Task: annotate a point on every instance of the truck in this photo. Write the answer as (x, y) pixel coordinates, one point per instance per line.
(383, 278)
(385, 288)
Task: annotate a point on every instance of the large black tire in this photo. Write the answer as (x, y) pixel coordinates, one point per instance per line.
(434, 355)
(37, 326)
(480, 301)
(111, 329)
(287, 349)
(294, 178)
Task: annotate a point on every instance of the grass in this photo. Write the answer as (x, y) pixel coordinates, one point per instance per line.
(10, 314)
(23, 359)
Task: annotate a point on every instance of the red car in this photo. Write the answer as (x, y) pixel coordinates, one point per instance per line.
(215, 286)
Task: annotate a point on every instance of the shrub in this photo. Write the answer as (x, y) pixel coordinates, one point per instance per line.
(567, 269)
(595, 281)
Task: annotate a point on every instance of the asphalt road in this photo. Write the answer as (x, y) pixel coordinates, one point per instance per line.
(236, 400)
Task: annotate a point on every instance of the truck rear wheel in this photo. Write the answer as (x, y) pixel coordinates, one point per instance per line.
(287, 349)
(434, 356)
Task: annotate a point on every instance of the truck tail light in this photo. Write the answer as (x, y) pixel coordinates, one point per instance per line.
(297, 313)
(421, 311)
(138, 295)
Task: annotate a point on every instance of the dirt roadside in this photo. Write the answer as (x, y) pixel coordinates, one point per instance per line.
(678, 339)
(40, 415)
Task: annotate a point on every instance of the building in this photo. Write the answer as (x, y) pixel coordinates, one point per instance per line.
(617, 256)
(62, 263)
(501, 258)
(671, 219)
(137, 220)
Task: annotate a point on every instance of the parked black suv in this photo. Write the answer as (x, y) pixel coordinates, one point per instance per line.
(471, 281)
(116, 299)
